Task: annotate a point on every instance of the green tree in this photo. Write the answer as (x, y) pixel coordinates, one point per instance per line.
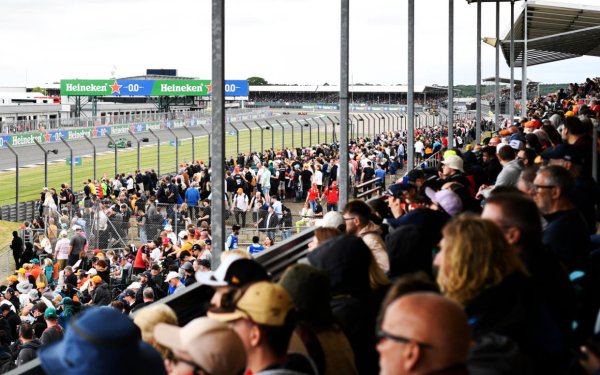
(257, 81)
(40, 90)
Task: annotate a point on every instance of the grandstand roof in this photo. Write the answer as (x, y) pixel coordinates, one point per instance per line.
(554, 33)
(507, 81)
(352, 88)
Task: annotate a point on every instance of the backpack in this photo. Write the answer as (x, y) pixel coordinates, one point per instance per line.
(70, 196)
(253, 181)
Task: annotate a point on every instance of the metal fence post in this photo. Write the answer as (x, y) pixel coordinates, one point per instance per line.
(237, 139)
(94, 154)
(282, 135)
(272, 134)
(17, 175)
(193, 143)
(301, 134)
(262, 136)
(116, 158)
(158, 150)
(138, 152)
(176, 149)
(45, 161)
(250, 131)
(209, 139)
(291, 126)
(72, 159)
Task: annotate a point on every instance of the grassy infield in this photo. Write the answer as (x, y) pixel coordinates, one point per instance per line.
(32, 179)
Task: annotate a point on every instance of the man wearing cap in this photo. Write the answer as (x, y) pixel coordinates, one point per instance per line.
(202, 346)
(332, 196)
(240, 206)
(101, 341)
(453, 170)
(189, 277)
(263, 318)
(61, 250)
(174, 281)
(585, 192)
(10, 296)
(76, 245)
(54, 332)
(129, 298)
(101, 295)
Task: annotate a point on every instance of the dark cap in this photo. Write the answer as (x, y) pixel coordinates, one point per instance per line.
(204, 263)
(4, 307)
(397, 190)
(146, 274)
(10, 290)
(155, 267)
(565, 152)
(129, 293)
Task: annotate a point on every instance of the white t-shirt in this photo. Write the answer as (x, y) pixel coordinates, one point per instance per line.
(318, 177)
(419, 146)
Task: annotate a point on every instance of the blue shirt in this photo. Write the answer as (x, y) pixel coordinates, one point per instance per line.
(380, 173)
(232, 242)
(255, 248)
(192, 196)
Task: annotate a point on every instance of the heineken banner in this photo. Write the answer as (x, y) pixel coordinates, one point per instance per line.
(142, 87)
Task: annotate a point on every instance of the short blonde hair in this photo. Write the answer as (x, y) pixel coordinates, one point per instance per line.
(148, 317)
(476, 257)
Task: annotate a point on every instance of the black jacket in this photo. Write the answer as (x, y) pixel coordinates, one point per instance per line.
(101, 295)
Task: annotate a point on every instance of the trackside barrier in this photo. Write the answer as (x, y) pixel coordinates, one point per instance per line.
(194, 301)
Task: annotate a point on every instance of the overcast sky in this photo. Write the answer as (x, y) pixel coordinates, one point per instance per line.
(283, 41)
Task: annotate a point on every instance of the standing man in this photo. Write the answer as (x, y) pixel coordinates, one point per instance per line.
(332, 195)
(76, 245)
(240, 206)
(232, 239)
(17, 248)
(192, 196)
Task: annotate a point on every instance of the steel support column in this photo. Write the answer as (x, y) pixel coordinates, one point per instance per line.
(218, 129)
(450, 72)
(410, 139)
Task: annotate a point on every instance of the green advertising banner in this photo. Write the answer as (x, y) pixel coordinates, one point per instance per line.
(27, 139)
(135, 87)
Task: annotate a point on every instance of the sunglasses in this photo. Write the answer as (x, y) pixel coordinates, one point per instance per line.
(381, 334)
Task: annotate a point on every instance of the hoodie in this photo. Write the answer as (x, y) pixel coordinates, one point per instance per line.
(28, 352)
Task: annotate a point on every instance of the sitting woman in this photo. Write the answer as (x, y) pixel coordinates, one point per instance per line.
(478, 270)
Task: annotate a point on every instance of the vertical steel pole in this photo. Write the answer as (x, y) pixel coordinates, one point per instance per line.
(176, 149)
(249, 130)
(262, 137)
(17, 176)
(158, 151)
(511, 109)
(45, 161)
(524, 65)
(218, 122)
(272, 134)
(291, 126)
(282, 135)
(450, 71)
(194, 143)
(94, 153)
(116, 157)
(344, 180)
(410, 141)
(72, 159)
(209, 141)
(478, 83)
(497, 81)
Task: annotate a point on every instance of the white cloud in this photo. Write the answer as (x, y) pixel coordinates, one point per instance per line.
(284, 41)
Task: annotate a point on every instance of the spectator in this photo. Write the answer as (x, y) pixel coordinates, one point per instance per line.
(233, 238)
(357, 215)
(147, 319)
(54, 331)
(99, 291)
(423, 333)
(29, 345)
(203, 344)
(255, 247)
(263, 317)
(566, 232)
(17, 248)
(174, 281)
(101, 348)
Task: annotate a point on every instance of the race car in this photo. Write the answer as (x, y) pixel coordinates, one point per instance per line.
(302, 113)
(120, 143)
(285, 113)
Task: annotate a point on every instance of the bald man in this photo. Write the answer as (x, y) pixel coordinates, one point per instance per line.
(423, 333)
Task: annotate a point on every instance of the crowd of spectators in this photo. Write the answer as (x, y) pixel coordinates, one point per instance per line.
(487, 264)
